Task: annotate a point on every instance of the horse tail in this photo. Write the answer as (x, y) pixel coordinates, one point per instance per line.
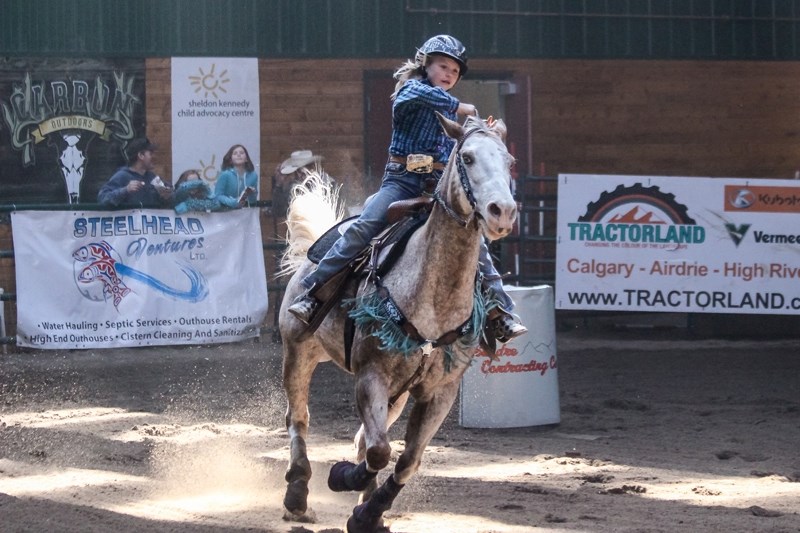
(313, 209)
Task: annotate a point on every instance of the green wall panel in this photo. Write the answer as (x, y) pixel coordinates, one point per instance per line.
(658, 29)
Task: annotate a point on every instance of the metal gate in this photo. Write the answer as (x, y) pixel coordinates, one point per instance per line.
(528, 256)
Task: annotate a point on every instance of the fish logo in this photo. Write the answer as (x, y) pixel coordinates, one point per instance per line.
(100, 275)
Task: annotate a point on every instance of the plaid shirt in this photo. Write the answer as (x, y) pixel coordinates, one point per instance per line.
(415, 128)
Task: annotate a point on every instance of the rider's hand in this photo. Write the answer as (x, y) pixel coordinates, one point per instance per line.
(467, 109)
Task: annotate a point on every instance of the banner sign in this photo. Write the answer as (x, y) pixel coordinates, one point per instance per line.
(669, 244)
(215, 105)
(64, 125)
(137, 278)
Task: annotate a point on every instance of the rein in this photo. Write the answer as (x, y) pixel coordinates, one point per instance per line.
(465, 185)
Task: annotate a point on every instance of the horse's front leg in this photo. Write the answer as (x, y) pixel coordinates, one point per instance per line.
(372, 401)
(424, 421)
(395, 410)
(298, 367)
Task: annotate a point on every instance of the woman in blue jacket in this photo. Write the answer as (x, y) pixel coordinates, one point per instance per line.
(238, 173)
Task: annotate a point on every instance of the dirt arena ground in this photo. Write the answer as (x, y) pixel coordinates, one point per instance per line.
(658, 432)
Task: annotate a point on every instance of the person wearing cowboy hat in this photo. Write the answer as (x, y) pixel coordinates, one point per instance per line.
(298, 160)
(293, 169)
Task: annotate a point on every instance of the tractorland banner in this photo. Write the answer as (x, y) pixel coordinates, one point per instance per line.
(137, 278)
(645, 243)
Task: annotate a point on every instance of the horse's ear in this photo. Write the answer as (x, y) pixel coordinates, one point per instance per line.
(499, 127)
(451, 128)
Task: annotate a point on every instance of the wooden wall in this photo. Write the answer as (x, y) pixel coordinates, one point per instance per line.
(733, 119)
(690, 118)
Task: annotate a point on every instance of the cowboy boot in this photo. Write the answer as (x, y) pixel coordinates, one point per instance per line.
(304, 306)
(506, 326)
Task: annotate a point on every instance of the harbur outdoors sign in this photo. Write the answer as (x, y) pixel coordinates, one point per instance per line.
(64, 125)
(645, 243)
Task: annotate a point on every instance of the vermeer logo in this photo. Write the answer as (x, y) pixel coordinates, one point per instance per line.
(737, 233)
(636, 216)
(762, 199)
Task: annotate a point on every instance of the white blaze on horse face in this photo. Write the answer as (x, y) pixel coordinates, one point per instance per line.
(490, 177)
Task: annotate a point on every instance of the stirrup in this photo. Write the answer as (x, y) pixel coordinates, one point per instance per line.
(303, 307)
(506, 327)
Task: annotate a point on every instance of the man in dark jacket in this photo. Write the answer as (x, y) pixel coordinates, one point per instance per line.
(136, 184)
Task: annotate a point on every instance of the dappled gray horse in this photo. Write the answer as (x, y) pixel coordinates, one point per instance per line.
(423, 354)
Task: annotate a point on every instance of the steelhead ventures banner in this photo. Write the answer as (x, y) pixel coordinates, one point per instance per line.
(215, 105)
(643, 243)
(137, 278)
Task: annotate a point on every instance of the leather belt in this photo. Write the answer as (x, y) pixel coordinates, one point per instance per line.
(403, 161)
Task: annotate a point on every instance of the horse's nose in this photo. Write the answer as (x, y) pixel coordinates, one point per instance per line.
(503, 215)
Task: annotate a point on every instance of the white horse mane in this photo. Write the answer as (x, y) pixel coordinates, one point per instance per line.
(313, 209)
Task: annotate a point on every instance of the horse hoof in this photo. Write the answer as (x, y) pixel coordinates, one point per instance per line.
(353, 526)
(309, 517)
(296, 499)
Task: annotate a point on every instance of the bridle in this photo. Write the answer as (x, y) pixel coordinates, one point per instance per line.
(465, 185)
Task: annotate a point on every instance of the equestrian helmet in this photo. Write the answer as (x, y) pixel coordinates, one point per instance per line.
(445, 45)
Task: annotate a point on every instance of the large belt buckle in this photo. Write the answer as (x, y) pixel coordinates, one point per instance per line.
(419, 163)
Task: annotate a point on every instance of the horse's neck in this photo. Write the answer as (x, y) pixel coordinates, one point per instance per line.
(437, 272)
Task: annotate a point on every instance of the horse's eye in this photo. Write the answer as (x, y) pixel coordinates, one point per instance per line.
(467, 159)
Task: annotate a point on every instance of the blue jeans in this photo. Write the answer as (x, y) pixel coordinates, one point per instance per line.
(397, 184)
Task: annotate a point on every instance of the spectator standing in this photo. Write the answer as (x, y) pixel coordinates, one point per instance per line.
(238, 177)
(136, 184)
(192, 193)
(291, 171)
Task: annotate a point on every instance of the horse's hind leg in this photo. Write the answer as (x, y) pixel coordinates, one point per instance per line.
(298, 366)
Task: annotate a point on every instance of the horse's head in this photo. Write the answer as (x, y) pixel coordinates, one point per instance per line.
(477, 182)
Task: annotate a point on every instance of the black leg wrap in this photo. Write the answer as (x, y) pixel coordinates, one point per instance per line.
(368, 517)
(346, 476)
(381, 500)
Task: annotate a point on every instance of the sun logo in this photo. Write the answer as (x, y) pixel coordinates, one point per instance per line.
(210, 82)
(209, 171)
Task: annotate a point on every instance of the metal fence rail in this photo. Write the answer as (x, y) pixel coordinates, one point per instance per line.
(529, 255)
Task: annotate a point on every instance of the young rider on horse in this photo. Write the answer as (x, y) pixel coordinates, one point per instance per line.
(418, 153)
